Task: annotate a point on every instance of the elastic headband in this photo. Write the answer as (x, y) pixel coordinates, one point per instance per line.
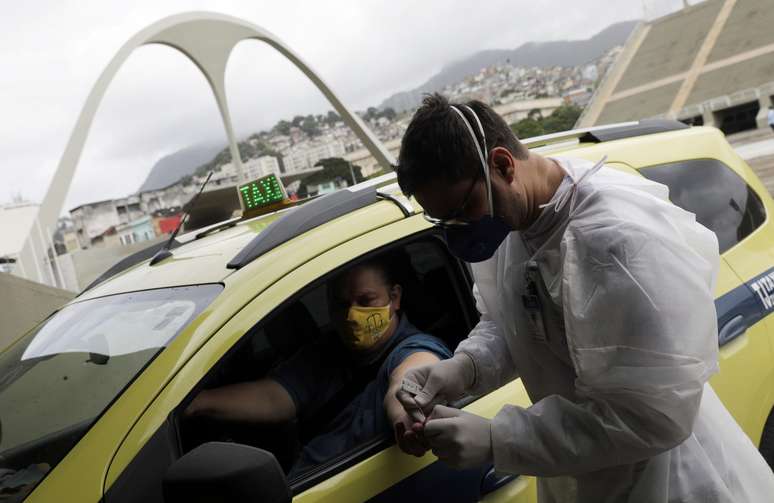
(481, 157)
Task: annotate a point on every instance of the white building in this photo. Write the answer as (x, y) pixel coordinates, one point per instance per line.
(517, 110)
(129, 208)
(136, 231)
(296, 160)
(590, 73)
(280, 142)
(368, 164)
(327, 187)
(16, 220)
(224, 176)
(262, 166)
(93, 219)
(172, 196)
(325, 149)
(303, 156)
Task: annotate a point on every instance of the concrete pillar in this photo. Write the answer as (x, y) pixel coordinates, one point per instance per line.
(709, 117)
(762, 119)
(206, 39)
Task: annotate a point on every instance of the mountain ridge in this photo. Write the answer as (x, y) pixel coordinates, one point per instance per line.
(170, 168)
(541, 54)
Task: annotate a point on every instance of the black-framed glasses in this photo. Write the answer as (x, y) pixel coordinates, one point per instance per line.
(453, 219)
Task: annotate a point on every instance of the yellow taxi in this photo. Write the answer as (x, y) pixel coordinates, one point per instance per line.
(91, 400)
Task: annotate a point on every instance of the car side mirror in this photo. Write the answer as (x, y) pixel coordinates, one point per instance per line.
(225, 472)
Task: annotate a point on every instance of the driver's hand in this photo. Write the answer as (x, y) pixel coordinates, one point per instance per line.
(409, 435)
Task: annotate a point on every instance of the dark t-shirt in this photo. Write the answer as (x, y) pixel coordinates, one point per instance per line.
(318, 373)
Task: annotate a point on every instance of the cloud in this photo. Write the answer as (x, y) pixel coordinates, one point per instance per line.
(52, 53)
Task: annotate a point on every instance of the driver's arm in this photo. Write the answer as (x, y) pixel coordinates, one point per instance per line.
(392, 406)
(261, 401)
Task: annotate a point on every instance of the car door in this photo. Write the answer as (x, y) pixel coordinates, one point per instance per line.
(390, 475)
(378, 471)
(751, 256)
(724, 202)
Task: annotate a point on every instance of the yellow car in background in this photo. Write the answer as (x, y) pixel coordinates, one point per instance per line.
(91, 400)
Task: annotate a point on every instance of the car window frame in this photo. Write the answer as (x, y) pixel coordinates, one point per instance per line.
(740, 176)
(326, 470)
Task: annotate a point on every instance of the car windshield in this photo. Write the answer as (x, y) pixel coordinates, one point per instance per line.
(60, 377)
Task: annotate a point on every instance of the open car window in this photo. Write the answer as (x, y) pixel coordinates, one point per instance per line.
(298, 346)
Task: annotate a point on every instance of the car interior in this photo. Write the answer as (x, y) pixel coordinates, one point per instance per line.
(436, 298)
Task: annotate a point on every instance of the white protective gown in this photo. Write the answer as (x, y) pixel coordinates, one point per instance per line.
(617, 356)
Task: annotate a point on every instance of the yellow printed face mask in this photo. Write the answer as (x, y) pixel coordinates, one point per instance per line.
(365, 326)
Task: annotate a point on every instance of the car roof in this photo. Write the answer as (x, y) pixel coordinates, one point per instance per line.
(213, 255)
(195, 261)
(646, 150)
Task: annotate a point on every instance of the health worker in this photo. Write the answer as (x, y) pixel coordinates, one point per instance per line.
(598, 293)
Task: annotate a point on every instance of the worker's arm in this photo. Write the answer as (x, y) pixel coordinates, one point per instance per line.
(641, 330)
(262, 401)
(486, 347)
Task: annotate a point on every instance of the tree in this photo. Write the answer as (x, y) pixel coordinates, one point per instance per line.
(562, 119)
(283, 127)
(336, 166)
(527, 128)
(371, 113)
(333, 168)
(535, 114)
(389, 113)
(332, 117)
(309, 126)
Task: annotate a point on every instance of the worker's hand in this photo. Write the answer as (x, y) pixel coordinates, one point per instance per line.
(441, 382)
(458, 438)
(409, 436)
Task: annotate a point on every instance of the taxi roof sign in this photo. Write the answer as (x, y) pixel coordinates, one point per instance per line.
(260, 193)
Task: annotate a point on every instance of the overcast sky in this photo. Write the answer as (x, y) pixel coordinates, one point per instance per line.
(51, 52)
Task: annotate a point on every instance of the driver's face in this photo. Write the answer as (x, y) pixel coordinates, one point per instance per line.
(364, 287)
(361, 286)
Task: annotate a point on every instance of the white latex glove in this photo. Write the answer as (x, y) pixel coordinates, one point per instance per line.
(441, 382)
(458, 438)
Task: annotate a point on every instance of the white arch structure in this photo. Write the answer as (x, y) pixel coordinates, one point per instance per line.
(207, 39)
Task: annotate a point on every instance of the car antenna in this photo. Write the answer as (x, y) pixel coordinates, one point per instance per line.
(165, 252)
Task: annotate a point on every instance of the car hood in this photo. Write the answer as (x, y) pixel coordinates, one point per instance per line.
(195, 262)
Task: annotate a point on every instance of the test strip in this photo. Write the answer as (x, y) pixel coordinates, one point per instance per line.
(411, 387)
